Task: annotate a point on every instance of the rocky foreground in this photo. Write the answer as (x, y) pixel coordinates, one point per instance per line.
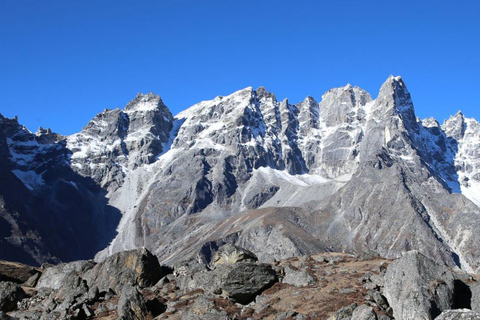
(232, 284)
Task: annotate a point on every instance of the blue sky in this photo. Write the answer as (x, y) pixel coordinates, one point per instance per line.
(62, 62)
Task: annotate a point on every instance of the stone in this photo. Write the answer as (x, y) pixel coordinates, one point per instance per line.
(10, 294)
(417, 287)
(54, 277)
(246, 280)
(131, 305)
(210, 281)
(135, 267)
(344, 313)
(378, 298)
(33, 280)
(297, 277)
(364, 312)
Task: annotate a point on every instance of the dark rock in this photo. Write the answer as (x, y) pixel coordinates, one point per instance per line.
(10, 294)
(3, 316)
(131, 305)
(246, 280)
(135, 267)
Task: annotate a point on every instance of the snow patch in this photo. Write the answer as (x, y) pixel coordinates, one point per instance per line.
(177, 123)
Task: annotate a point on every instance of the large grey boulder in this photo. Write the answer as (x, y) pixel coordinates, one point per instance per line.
(135, 267)
(210, 281)
(418, 288)
(246, 280)
(54, 277)
(297, 277)
(10, 294)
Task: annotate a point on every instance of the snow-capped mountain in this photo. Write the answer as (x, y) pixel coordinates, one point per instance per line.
(349, 174)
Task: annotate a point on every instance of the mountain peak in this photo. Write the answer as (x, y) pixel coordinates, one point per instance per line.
(394, 96)
(261, 92)
(144, 102)
(455, 126)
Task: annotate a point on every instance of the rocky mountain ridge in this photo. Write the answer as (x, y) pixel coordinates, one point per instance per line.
(347, 174)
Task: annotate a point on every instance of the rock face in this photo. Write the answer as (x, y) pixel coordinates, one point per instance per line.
(40, 192)
(418, 288)
(117, 141)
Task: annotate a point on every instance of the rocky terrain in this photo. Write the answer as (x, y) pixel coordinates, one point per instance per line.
(291, 186)
(234, 285)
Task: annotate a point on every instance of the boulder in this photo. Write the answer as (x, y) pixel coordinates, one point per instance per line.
(135, 267)
(10, 294)
(54, 277)
(297, 277)
(418, 288)
(459, 314)
(246, 280)
(364, 312)
(211, 282)
(131, 305)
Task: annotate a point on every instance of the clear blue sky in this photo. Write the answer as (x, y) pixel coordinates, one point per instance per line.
(62, 62)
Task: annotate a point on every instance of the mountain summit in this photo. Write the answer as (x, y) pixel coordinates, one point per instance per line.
(348, 173)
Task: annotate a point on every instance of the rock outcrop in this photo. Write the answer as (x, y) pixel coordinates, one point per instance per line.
(418, 288)
(136, 267)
